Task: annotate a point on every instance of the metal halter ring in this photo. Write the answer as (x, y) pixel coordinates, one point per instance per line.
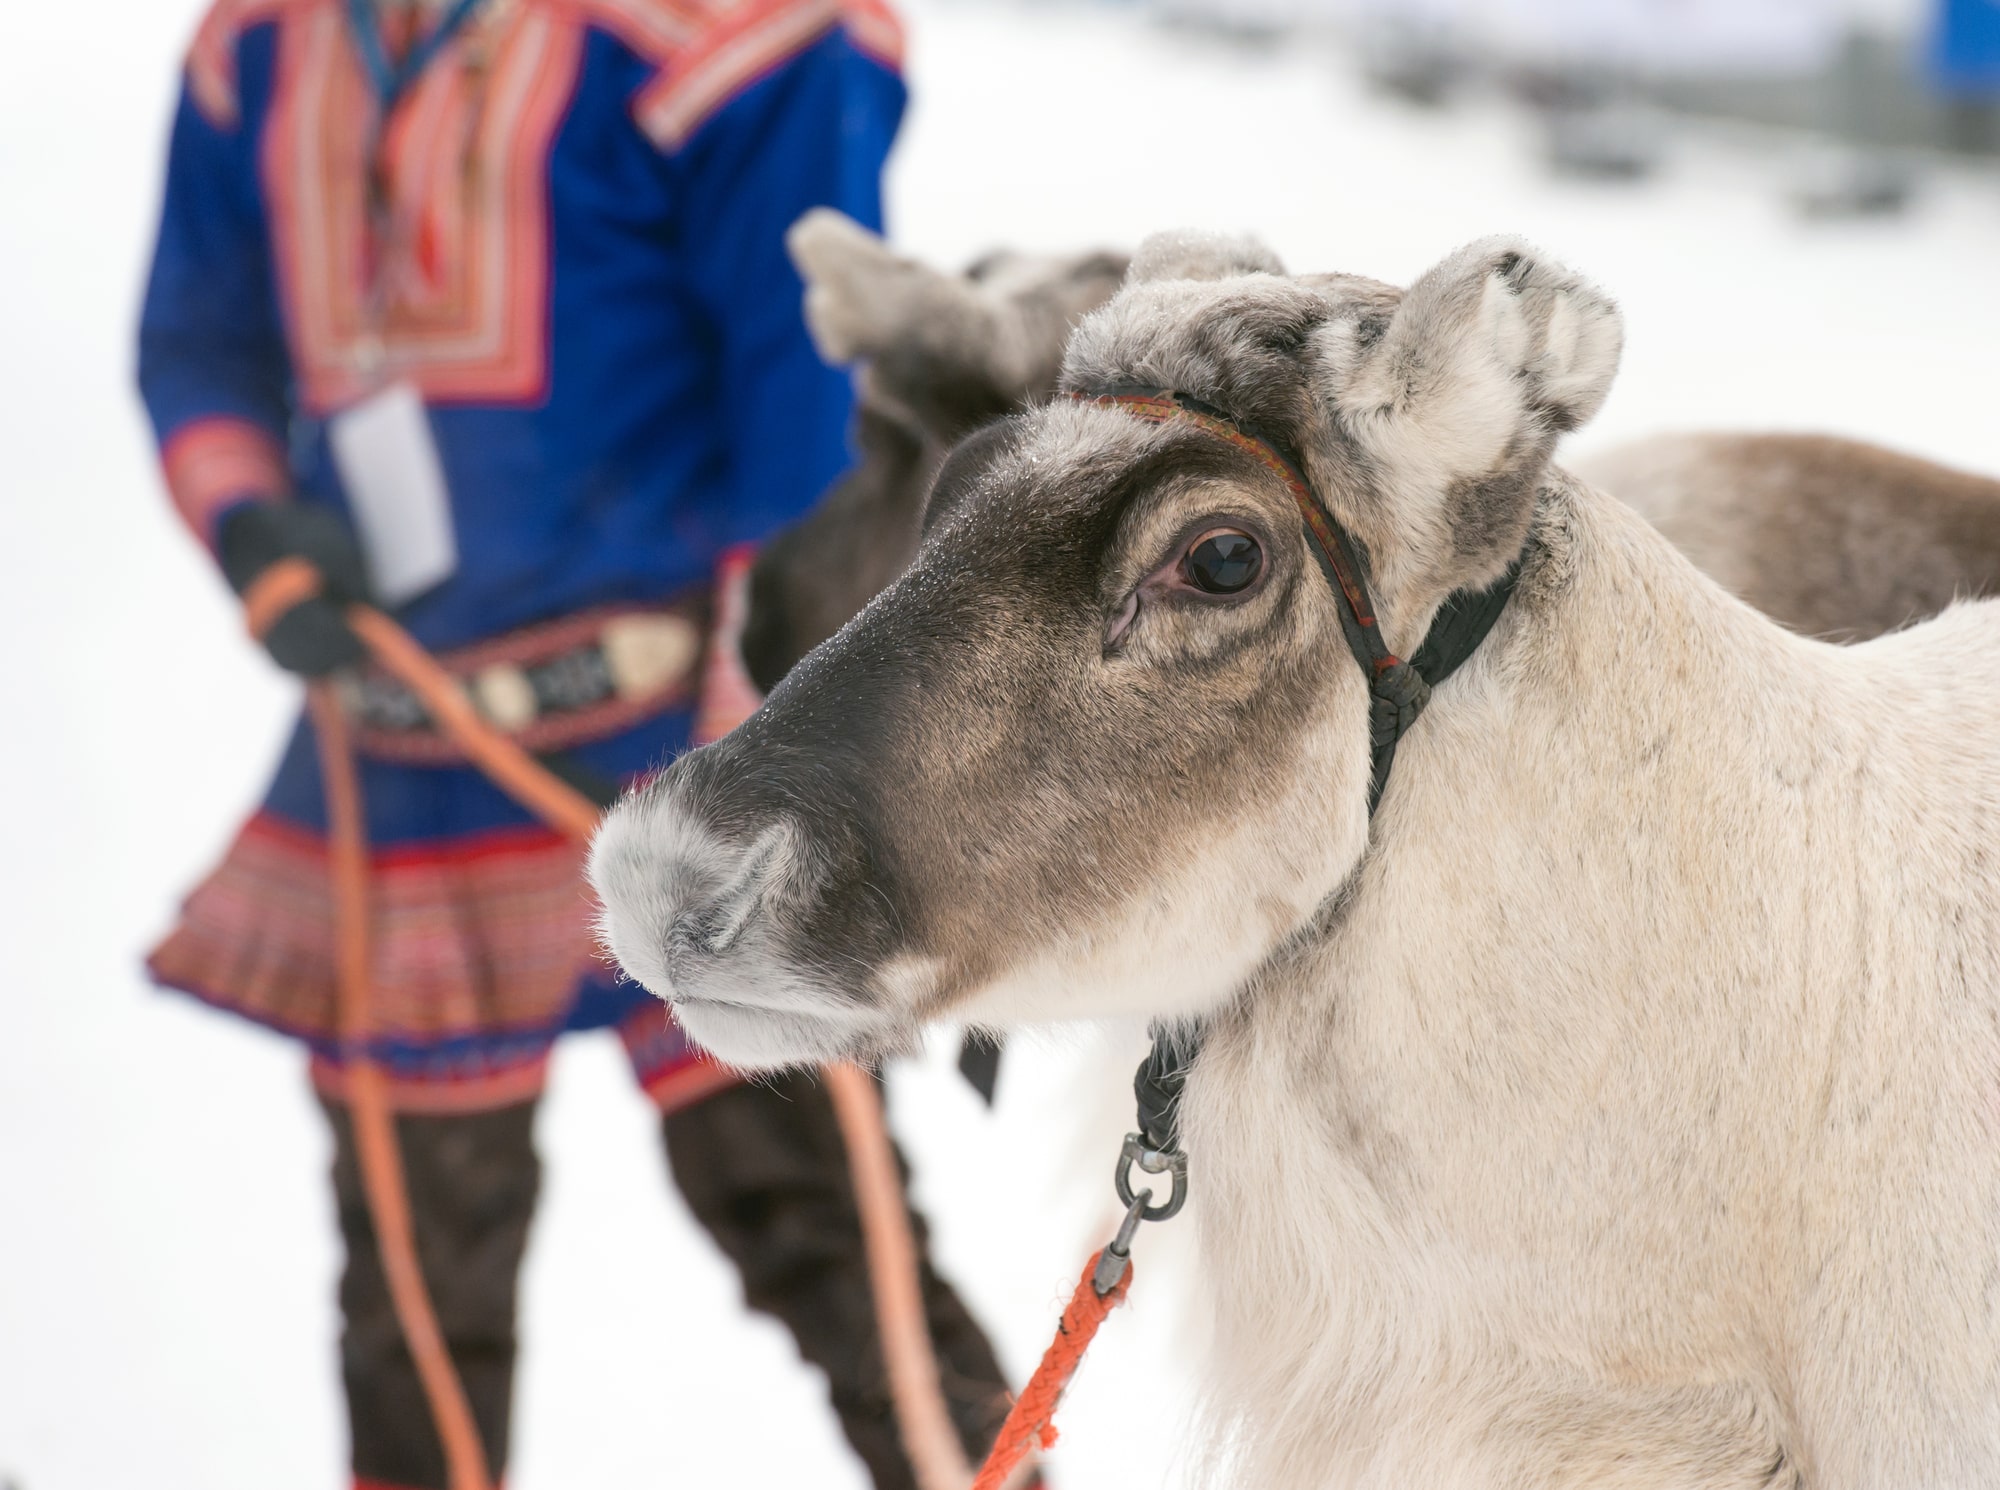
(1153, 1161)
(1117, 1255)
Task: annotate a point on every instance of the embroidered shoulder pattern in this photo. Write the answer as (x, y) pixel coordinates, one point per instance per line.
(657, 30)
(211, 59)
(740, 41)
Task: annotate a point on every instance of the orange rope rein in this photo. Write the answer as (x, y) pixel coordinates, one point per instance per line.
(1031, 1425)
(509, 767)
(368, 1104)
(276, 591)
(929, 1438)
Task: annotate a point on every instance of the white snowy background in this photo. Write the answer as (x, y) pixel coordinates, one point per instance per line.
(166, 1256)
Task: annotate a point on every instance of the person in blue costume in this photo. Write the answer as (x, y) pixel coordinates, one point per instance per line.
(481, 308)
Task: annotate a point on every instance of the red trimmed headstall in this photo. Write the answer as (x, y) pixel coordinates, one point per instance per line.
(1397, 689)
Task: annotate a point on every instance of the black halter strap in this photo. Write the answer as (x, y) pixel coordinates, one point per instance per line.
(1398, 689)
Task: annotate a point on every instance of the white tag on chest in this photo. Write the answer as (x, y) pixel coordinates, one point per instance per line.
(395, 487)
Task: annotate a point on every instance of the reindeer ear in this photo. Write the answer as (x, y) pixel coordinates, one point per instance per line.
(860, 296)
(1490, 356)
(1192, 255)
(943, 349)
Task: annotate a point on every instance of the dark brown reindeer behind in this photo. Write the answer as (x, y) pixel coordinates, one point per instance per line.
(940, 355)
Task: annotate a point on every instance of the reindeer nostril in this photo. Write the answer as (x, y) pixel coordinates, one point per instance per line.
(712, 929)
(691, 933)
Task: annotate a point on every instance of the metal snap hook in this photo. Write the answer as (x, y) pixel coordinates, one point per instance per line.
(1117, 1253)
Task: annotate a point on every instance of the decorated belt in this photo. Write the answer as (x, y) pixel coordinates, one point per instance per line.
(550, 687)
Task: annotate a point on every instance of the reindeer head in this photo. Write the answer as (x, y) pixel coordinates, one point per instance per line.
(1104, 746)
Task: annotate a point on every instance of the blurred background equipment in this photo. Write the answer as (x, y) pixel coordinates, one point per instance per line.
(1873, 81)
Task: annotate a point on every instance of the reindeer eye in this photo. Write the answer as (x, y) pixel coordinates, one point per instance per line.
(1223, 562)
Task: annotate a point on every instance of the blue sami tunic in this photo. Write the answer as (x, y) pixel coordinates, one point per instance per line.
(588, 284)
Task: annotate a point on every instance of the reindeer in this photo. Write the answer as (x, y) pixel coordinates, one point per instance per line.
(1616, 1104)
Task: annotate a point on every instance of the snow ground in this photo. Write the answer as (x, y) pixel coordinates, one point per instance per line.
(166, 1265)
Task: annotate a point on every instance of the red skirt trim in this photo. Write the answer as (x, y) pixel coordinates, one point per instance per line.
(436, 1094)
(668, 1068)
(482, 935)
(479, 945)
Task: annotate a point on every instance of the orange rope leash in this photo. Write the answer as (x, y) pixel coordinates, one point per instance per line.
(368, 1103)
(928, 1435)
(276, 591)
(1031, 1425)
(510, 768)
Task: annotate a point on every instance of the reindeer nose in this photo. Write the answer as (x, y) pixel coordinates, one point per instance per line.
(681, 894)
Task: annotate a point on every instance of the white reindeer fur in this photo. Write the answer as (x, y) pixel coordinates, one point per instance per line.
(1633, 1118)
(1581, 1095)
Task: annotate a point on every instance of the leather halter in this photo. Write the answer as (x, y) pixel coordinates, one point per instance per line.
(1398, 689)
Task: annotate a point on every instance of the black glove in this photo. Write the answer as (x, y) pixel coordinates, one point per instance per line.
(311, 638)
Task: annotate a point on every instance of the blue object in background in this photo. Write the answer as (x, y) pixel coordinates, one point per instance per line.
(1964, 55)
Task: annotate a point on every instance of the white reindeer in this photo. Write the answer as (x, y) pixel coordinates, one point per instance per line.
(1619, 1105)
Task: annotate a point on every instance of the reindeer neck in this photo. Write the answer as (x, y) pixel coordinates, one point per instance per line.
(1543, 785)
(1364, 1124)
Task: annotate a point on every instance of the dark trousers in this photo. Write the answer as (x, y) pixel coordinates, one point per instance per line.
(763, 1169)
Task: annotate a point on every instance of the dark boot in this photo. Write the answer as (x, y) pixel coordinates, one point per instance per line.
(472, 1180)
(764, 1169)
